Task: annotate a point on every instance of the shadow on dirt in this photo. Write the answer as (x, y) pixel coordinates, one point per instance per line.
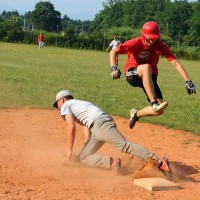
(182, 172)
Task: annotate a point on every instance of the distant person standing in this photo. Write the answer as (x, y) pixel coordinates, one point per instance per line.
(41, 41)
(114, 44)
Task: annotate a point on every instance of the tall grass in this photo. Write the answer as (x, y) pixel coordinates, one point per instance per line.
(31, 78)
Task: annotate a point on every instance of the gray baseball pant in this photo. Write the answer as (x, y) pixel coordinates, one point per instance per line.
(104, 130)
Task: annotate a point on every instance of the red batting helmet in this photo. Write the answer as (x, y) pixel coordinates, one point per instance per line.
(151, 30)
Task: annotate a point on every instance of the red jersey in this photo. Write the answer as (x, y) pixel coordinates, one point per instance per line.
(40, 38)
(139, 53)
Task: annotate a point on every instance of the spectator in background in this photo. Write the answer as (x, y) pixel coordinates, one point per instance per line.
(41, 41)
(114, 44)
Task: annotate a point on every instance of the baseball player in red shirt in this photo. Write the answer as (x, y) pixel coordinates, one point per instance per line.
(41, 41)
(141, 68)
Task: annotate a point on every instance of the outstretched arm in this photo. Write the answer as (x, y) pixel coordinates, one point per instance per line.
(71, 131)
(113, 54)
(190, 87)
(115, 72)
(110, 45)
(108, 48)
(180, 69)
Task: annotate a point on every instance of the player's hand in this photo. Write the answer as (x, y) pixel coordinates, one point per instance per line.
(68, 155)
(115, 72)
(73, 158)
(190, 87)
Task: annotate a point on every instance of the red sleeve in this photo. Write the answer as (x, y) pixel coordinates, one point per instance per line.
(127, 46)
(164, 50)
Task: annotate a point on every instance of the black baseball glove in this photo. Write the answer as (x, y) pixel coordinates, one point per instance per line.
(115, 72)
(190, 87)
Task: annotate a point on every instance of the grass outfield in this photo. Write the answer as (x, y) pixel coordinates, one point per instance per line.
(31, 78)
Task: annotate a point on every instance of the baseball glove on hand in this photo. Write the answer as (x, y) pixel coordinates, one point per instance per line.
(115, 72)
(190, 87)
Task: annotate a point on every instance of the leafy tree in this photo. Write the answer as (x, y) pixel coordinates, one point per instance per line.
(194, 22)
(176, 16)
(128, 13)
(100, 21)
(45, 17)
(112, 15)
(172, 16)
(77, 25)
(13, 29)
(65, 21)
(179, 20)
(6, 15)
(28, 22)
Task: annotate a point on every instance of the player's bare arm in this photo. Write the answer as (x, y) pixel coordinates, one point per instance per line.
(113, 54)
(71, 132)
(180, 69)
(190, 87)
(115, 71)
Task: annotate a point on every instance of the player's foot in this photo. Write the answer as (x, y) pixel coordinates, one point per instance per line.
(134, 118)
(164, 164)
(156, 106)
(116, 166)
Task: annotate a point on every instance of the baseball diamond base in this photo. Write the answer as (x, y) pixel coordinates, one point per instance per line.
(156, 184)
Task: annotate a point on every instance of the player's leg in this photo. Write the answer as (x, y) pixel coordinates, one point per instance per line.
(134, 80)
(88, 157)
(145, 73)
(109, 133)
(147, 111)
(88, 154)
(42, 46)
(115, 138)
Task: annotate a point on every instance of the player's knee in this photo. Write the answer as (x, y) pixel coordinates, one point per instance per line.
(147, 68)
(144, 69)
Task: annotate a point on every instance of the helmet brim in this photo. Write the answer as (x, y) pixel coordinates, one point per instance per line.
(151, 36)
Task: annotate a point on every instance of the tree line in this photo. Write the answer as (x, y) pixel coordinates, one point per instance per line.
(179, 23)
(179, 20)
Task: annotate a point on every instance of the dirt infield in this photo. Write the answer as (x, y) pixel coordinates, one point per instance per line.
(32, 147)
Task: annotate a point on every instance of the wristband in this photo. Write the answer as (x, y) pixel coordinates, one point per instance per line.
(114, 68)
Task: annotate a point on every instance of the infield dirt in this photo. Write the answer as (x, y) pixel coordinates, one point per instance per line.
(32, 149)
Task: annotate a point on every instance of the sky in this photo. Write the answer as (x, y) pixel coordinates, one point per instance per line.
(74, 9)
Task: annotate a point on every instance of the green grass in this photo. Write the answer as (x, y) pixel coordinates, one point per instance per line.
(31, 78)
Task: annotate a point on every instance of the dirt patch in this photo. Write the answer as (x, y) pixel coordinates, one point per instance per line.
(32, 149)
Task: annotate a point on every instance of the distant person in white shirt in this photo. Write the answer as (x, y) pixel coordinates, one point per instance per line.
(114, 44)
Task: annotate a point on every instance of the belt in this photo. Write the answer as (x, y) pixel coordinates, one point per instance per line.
(91, 125)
